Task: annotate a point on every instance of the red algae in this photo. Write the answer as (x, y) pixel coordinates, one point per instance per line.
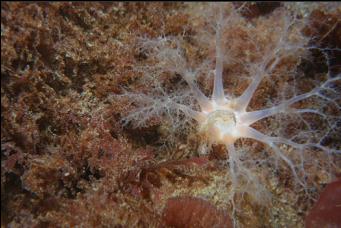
(194, 212)
(326, 211)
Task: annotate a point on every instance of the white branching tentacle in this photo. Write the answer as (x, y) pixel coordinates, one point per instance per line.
(244, 100)
(198, 116)
(233, 164)
(270, 141)
(301, 124)
(251, 117)
(218, 89)
(288, 161)
(203, 101)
